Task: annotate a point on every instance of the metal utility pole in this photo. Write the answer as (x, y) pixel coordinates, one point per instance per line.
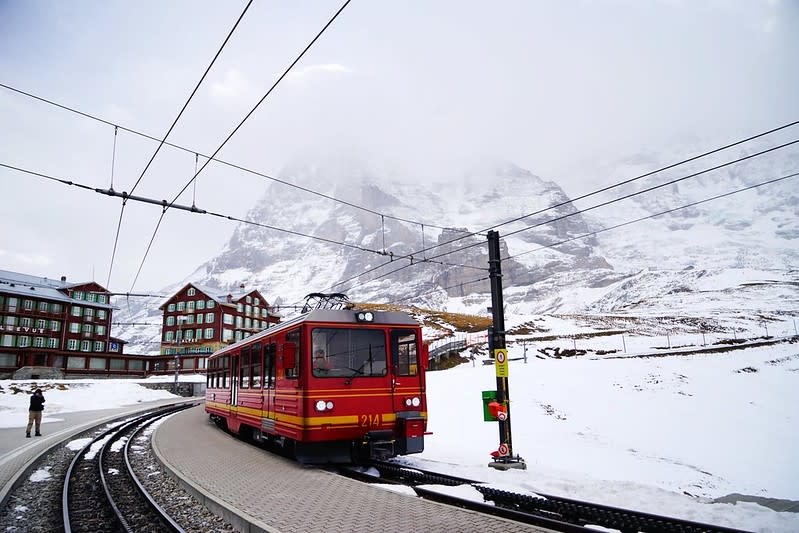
(496, 345)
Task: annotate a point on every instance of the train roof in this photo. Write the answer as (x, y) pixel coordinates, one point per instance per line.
(339, 316)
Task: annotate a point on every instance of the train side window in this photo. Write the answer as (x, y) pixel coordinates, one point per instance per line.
(294, 336)
(244, 368)
(257, 361)
(406, 358)
(269, 365)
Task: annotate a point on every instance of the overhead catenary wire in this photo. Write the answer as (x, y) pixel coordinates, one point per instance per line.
(174, 123)
(693, 204)
(227, 163)
(556, 219)
(195, 209)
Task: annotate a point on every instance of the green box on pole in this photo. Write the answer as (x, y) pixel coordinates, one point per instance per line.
(488, 397)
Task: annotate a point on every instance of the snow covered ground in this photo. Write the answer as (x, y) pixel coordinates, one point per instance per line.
(665, 435)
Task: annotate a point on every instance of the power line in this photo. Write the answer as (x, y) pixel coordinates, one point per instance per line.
(470, 282)
(152, 158)
(226, 163)
(686, 206)
(604, 189)
(195, 209)
(625, 197)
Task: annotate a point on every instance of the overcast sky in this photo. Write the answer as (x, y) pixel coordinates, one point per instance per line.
(425, 87)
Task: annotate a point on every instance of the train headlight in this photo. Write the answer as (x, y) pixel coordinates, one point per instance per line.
(323, 405)
(408, 402)
(364, 316)
(416, 401)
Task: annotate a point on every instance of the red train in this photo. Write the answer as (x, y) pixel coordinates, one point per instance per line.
(330, 385)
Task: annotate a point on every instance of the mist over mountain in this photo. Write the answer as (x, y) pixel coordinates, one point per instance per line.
(734, 256)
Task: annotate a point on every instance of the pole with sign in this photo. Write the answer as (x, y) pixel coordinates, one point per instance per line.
(503, 457)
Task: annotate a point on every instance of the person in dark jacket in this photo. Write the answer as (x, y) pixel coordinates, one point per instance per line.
(35, 413)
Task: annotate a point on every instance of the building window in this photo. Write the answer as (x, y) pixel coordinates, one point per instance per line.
(189, 319)
(12, 304)
(240, 307)
(76, 310)
(101, 314)
(168, 336)
(198, 333)
(85, 346)
(87, 330)
(72, 344)
(189, 334)
(248, 310)
(200, 304)
(88, 313)
(199, 318)
(42, 307)
(38, 342)
(239, 336)
(209, 318)
(74, 327)
(99, 346)
(239, 322)
(256, 301)
(10, 321)
(190, 306)
(23, 341)
(102, 298)
(256, 311)
(247, 323)
(181, 306)
(117, 364)
(25, 322)
(55, 325)
(78, 295)
(191, 291)
(7, 340)
(209, 333)
(52, 342)
(99, 330)
(210, 304)
(97, 363)
(170, 321)
(55, 308)
(41, 323)
(227, 335)
(170, 308)
(27, 305)
(227, 319)
(76, 362)
(92, 297)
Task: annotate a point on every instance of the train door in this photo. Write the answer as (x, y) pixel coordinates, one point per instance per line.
(406, 369)
(234, 379)
(270, 352)
(408, 391)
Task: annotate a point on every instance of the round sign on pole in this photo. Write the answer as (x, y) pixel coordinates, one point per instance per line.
(503, 449)
(500, 356)
(502, 415)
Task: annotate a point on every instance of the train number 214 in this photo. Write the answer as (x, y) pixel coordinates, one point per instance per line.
(369, 420)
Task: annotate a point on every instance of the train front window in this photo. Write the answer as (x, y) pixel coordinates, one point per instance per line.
(340, 352)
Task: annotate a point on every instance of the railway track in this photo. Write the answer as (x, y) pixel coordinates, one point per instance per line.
(556, 513)
(106, 495)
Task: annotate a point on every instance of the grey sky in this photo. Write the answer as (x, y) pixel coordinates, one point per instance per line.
(427, 87)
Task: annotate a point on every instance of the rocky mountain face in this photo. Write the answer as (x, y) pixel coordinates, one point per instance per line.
(555, 260)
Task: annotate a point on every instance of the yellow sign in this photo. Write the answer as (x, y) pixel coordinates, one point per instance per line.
(501, 359)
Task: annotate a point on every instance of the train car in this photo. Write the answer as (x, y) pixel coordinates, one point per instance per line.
(330, 386)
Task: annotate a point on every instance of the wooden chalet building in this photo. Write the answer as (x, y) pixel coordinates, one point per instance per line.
(56, 325)
(200, 320)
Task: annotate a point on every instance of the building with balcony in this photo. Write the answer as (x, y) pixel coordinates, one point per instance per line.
(55, 323)
(200, 320)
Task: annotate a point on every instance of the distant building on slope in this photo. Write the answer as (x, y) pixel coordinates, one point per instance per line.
(56, 324)
(200, 320)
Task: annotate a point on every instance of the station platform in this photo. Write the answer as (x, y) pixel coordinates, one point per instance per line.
(257, 491)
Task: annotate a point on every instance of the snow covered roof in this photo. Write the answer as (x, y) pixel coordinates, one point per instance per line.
(43, 288)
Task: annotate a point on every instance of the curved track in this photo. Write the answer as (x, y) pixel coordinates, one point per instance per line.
(104, 495)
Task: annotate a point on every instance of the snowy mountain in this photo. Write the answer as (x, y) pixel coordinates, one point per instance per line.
(728, 258)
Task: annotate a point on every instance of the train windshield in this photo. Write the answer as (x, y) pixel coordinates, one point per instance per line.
(340, 352)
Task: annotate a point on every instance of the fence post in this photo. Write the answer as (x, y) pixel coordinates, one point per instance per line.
(623, 344)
